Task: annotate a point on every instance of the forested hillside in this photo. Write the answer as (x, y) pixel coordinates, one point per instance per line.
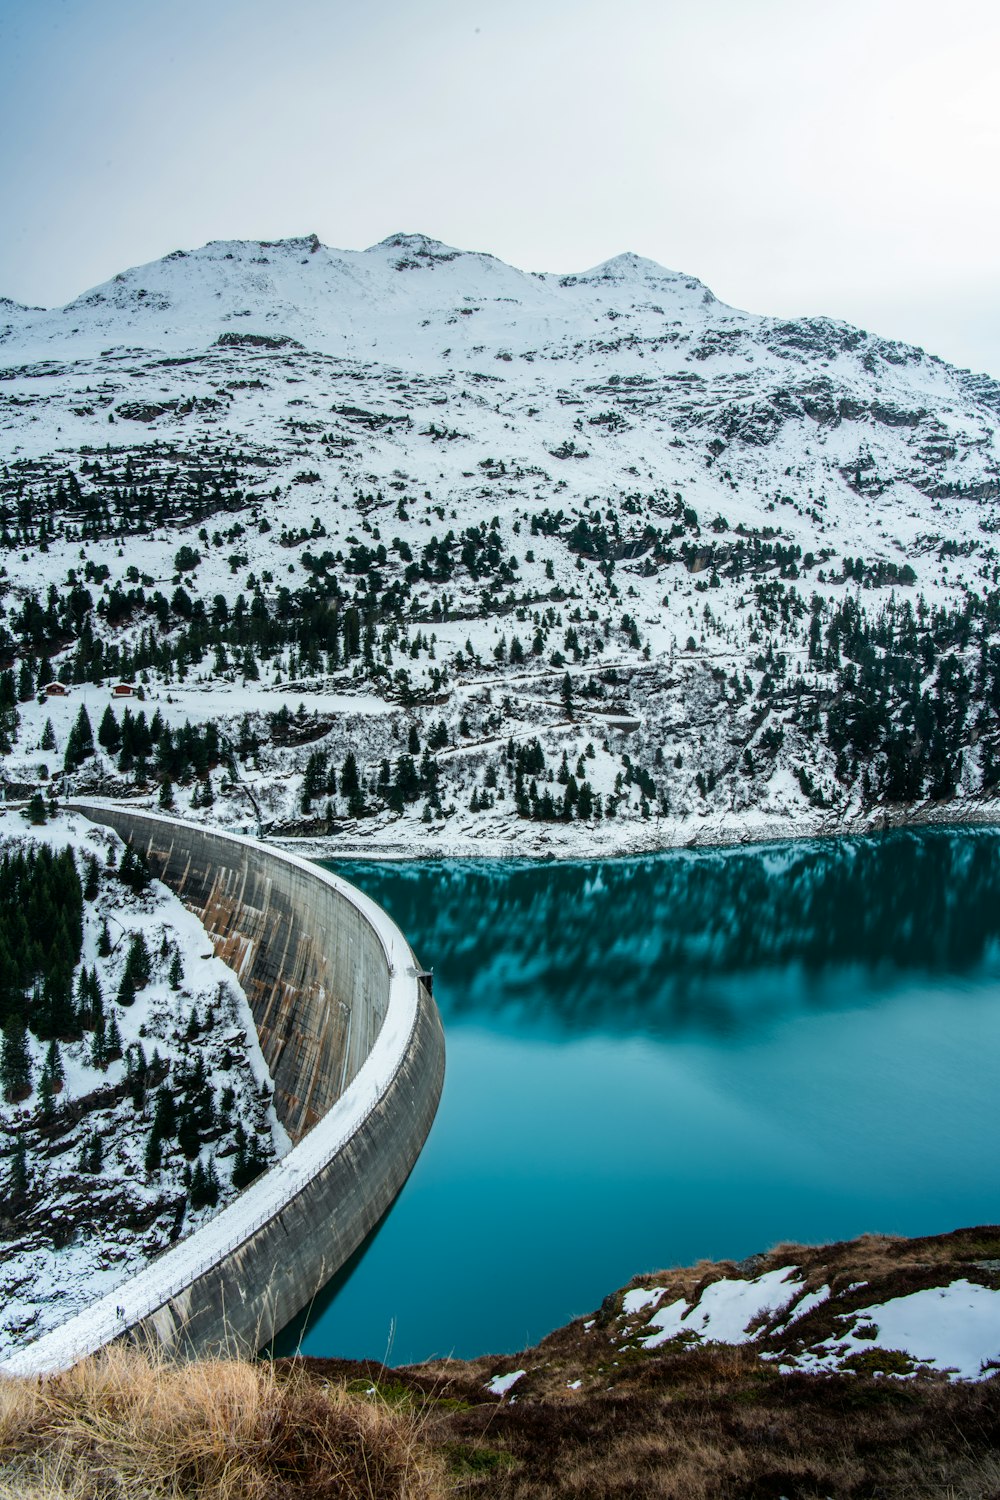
(134, 1095)
(407, 544)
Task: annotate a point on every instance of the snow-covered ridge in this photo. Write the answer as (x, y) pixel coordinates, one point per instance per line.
(177, 1268)
(346, 302)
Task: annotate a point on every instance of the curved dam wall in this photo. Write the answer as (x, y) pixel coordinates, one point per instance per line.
(354, 1043)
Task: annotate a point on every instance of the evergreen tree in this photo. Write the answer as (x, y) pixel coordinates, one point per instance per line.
(165, 1115)
(109, 736)
(48, 740)
(188, 1137)
(15, 1062)
(350, 783)
(92, 1155)
(204, 1185)
(153, 1158)
(248, 1161)
(19, 1181)
(315, 778)
(36, 809)
(133, 871)
(113, 1041)
(52, 1078)
(350, 786)
(138, 1070)
(80, 744)
(99, 1046)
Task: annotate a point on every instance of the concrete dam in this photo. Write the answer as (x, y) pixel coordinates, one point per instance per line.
(352, 1037)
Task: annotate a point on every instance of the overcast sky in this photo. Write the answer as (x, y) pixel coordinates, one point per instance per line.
(798, 156)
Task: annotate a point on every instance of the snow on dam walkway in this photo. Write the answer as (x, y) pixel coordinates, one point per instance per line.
(355, 1047)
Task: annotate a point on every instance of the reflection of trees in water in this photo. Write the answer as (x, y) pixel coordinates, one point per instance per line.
(705, 939)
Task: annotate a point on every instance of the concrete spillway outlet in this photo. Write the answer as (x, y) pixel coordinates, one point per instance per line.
(354, 1043)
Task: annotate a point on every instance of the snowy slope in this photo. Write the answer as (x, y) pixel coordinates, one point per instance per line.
(665, 489)
(83, 1226)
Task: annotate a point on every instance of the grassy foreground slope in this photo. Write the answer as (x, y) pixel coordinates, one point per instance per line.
(617, 1405)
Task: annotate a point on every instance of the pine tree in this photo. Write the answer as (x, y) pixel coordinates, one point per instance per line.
(314, 779)
(165, 1115)
(80, 744)
(133, 871)
(188, 1137)
(48, 740)
(166, 797)
(92, 1155)
(248, 1162)
(176, 971)
(92, 883)
(109, 736)
(103, 939)
(99, 1047)
(350, 784)
(15, 1062)
(52, 1079)
(113, 1041)
(19, 1180)
(55, 1016)
(137, 1070)
(204, 1185)
(153, 1158)
(36, 809)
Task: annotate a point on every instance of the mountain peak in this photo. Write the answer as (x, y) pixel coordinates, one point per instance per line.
(418, 247)
(631, 267)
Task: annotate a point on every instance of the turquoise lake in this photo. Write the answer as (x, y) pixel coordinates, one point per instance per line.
(694, 1054)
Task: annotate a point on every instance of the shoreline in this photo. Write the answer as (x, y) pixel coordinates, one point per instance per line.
(553, 842)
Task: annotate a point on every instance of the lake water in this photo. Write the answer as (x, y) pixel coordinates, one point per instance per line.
(694, 1054)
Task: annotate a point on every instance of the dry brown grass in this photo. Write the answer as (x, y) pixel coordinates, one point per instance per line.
(717, 1424)
(123, 1426)
(594, 1417)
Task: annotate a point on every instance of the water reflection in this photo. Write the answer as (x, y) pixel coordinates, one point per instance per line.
(697, 1054)
(705, 941)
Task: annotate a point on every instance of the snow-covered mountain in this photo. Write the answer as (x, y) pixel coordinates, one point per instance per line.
(400, 296)
(524, 484)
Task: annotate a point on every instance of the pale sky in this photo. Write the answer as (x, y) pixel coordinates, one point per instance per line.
(797, 156)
